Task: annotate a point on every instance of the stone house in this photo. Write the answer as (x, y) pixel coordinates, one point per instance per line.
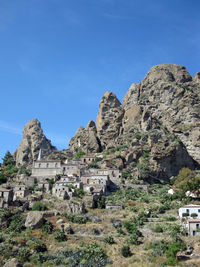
(20, 191)
(45, 185)
(27, 180)
(193, 227)
(71, 169)
(46, 168)
(188, 210)
(74, 181)
(88, 159)
(6, 197)
(63, 192)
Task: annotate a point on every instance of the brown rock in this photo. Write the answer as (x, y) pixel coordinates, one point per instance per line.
(33, 140)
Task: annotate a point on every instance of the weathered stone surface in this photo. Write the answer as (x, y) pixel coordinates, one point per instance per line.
(158, 122)
(13, 263)
(34, 219)
(109, 118)
(33, 140)
(86, 139)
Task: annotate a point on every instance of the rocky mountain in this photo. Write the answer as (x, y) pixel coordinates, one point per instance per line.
(157, 124)
(33, 140)
(86, 139)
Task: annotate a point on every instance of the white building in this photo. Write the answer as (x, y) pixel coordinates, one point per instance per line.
(188, 210)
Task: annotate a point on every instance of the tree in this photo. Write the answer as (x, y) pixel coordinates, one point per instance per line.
(8, 159)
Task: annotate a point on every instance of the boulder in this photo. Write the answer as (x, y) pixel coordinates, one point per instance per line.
(34, 219)
(13, 263)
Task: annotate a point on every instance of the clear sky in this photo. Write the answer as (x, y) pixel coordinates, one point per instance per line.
(58, 57)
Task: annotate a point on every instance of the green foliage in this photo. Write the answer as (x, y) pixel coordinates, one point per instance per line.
(80, 192)
(144, 170)
(109, 239)
(187, 180)
(23, 170)
(102, 203)
(24, 254)
(39, 206)
(93, 251)
(80, 219)
(79, 155)
(93, 165)
(125, 251)
(138, 136)
(8, 159)
(36, 245)
(127, 175)
(16, 224)
(122, 196)
(47, 227)
(59, 236)
(158, 229)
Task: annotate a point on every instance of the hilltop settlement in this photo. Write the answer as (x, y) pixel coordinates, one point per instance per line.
(125, 193)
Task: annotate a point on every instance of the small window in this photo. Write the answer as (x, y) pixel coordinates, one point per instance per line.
(198, 210)
(194, 233)
(187, 211)
(39, 165)
(56, 165)
(197, 226)
(47, 165)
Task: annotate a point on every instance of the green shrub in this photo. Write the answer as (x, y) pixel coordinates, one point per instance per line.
(125, 251)
(16, 223)
(47, 227)
(80, 192)
(171, 261)
(109, 239)
(59, 236)
(79, 155)
(23, 254)
(80, 219)
(158, 229)
(39, 206)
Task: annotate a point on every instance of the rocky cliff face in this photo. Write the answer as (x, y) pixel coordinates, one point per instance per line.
(158, 122)
(33, 140)
(86, 139)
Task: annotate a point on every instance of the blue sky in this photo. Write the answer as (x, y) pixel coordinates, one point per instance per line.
(58, 57)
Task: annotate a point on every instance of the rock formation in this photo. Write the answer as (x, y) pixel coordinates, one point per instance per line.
(158, 122)
(86, 139)
(109, 119)
(33, 140)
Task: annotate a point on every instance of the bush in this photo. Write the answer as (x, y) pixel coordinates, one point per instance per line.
(125, 251)
(79, 155)
(59, 236)
(80, 219)
(16, 224)
(47, 227)
(39, 206)
(24, 254)
(109, 239)
(158, 229)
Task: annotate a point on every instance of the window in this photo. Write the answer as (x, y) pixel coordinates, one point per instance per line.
(39, 165)
(47, 165)
(197, 226)
(198, 210)
(193, 233)
(187, 211)
(56, 165)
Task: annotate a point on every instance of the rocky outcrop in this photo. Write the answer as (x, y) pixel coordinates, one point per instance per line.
(109, 119)
(171, 96)
(33, 140)
(86, 139)
(34, 219)
(158, 122)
